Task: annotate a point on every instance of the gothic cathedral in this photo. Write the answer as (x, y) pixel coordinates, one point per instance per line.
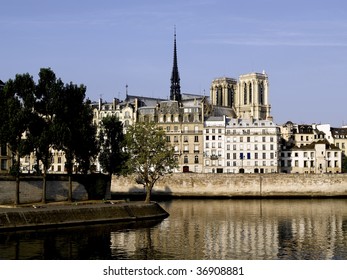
(248, 96)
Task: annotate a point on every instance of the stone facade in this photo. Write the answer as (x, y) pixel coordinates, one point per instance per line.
(239, 185)
(240, 146)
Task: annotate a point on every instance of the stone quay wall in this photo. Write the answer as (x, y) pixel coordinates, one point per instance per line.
(30, 191)
(72, 215)
(238, 185)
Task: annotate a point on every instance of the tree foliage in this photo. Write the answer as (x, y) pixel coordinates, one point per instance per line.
(16, 107)
(50, 115)
(150, 155)
(112, 155)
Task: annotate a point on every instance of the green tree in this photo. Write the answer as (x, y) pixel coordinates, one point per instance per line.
(16, 107)
(150, 155)
(42, 131)
(86, 144)
(112, 156)
(73, 128)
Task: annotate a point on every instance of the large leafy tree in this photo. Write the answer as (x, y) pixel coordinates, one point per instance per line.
(16, 109)
(150, 155)
(112, 156)
(86, 144)
(42, 133)
(74, 129)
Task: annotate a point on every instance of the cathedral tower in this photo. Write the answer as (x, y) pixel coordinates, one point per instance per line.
(175, 89)
(248, 96)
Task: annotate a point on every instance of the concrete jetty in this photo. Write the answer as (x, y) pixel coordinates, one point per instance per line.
(43, 216)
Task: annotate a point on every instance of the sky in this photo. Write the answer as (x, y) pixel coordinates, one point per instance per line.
(108, 44)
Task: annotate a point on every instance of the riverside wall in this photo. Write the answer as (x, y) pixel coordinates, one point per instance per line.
(30, 191)
(23, 218)
(238, 185)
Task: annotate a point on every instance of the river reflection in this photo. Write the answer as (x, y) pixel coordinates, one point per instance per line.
(202, 229)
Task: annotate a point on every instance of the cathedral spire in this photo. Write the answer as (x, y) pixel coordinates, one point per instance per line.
(175, 89)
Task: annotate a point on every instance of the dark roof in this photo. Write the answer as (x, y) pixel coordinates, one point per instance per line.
(305, 128)
(221, 111)
(143, 100)
(312, 145)
(338, 131)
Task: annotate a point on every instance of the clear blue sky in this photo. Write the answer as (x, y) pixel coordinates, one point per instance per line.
(106, 44)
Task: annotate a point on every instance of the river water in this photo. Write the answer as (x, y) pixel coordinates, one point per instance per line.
(250, 229)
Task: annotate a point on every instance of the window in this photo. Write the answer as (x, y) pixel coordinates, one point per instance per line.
(3, 164)
(3, 150)
(167, 138)
(196, 138)
(248, 155)
(250, 93)
(207, 137)
(196, 159)
(185, 138)
(185, 160)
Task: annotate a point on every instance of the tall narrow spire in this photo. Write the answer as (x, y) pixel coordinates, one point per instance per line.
(175, 89)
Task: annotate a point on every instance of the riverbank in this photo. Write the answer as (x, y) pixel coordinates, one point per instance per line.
(237, 185)
(73, 214)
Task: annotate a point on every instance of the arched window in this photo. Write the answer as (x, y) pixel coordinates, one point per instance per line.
(230, 97)
(245, 94)
(261, 93)
(219, 96)
(250, 93)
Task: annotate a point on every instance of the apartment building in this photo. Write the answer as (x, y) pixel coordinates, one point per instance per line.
(240, 146)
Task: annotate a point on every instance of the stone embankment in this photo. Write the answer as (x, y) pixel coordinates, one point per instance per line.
(30, 191)
(22, 218)
(238, 185)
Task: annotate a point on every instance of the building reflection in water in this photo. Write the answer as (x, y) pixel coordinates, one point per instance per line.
(243, 229)
(201, 229)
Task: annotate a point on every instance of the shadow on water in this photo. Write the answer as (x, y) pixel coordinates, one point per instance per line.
(80, 242)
